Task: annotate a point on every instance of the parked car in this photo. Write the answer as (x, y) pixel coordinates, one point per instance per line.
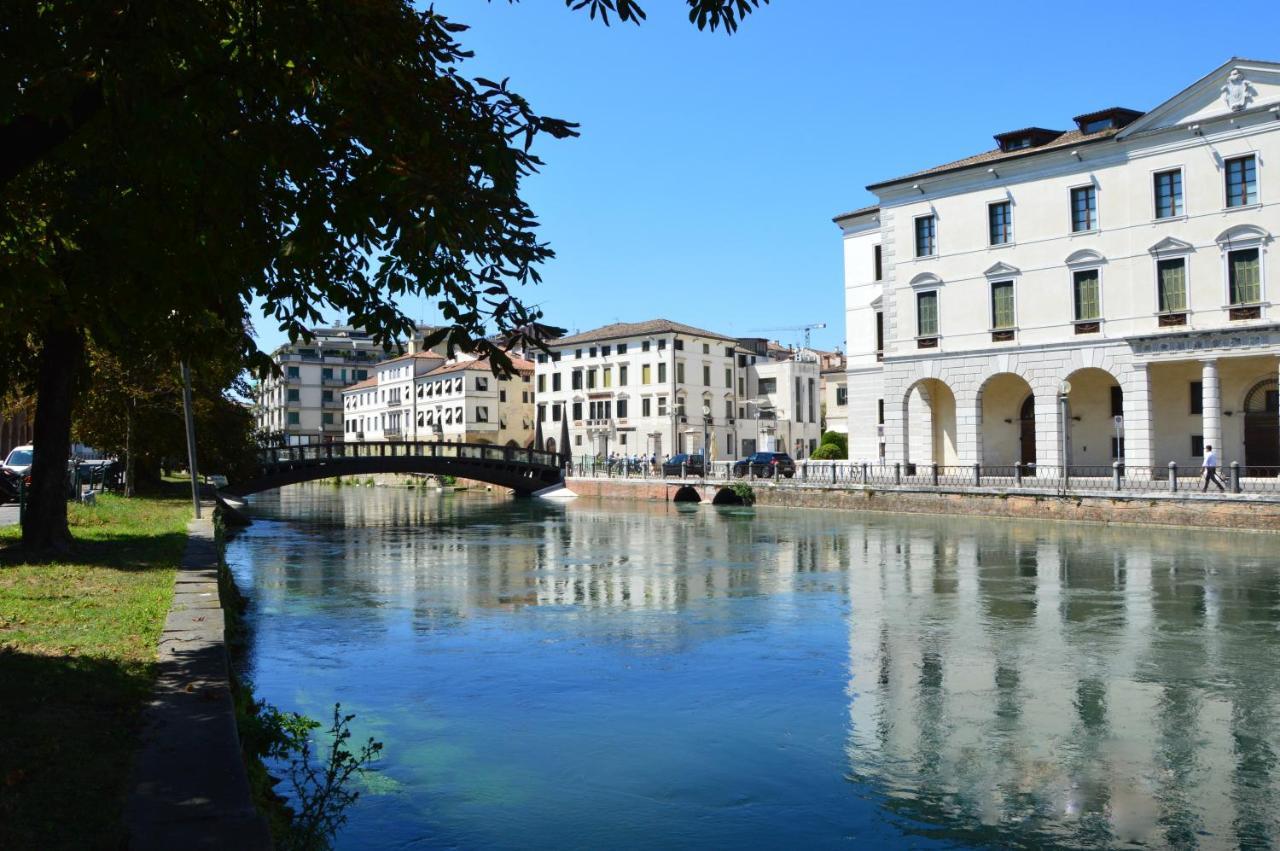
(19, 460)
(765, 465)
(9, 485)
(684, 464)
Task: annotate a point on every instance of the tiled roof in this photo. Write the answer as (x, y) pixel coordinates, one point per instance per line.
(636, 329)
(519, 364)
(1066, 140)
(861, 211)
(362, 385)
(413, 356)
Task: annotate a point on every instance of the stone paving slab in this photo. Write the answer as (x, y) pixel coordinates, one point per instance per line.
(189, 789)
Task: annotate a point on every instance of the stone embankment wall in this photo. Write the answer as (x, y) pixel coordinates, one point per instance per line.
(1192, 510)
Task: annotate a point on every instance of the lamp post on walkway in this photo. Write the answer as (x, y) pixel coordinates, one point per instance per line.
(1064, 393)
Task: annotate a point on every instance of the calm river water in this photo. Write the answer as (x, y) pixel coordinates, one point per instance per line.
(650, 676)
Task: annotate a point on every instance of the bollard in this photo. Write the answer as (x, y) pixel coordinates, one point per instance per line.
(1173, 475)
(865, 465)
(833, 475)
(1235, 477)
(933, 475)
(684, 471)
(1116, 475)
(1017, 475)
(977, 475)
(897, 472)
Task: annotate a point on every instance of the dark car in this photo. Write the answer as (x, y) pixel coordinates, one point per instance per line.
(9, 485)
(765, 465)
(684, 464)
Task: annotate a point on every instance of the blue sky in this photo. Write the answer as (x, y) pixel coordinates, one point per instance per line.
(709, 167)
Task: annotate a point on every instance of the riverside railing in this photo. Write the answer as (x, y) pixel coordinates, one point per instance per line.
(338, 452)
(1117, 478)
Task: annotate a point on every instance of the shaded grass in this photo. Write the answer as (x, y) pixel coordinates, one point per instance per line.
(77, 661)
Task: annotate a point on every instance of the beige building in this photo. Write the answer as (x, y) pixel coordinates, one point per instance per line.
(1101, 291)
(660, 388)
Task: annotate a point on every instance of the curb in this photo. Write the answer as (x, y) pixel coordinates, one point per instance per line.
(189, 788)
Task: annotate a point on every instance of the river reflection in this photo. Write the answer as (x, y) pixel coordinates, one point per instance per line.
(643, 675)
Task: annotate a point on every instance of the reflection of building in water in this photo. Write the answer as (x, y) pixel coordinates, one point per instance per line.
(1061, 686)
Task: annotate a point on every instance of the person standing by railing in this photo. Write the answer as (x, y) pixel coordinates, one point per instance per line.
(1210, 467)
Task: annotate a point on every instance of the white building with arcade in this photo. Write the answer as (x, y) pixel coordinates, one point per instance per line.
(1103, 291)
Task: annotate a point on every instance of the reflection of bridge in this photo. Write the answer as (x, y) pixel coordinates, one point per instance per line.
(525, 471)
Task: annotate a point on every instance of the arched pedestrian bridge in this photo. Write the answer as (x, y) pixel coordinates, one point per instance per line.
(525, 471)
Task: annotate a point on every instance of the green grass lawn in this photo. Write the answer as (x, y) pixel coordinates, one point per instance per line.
(77, 654)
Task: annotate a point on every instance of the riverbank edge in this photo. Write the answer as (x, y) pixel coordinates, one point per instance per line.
(1150, 510)
(190, 788)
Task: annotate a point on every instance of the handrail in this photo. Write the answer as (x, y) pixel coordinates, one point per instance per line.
(341, 450)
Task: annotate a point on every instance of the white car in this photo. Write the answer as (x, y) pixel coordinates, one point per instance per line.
(19, 460)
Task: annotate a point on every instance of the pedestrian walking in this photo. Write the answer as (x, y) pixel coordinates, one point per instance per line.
(1210, 467)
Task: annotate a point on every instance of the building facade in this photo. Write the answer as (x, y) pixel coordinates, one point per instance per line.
(303, 404)
(659, 388)
(1085, 296)
(421, 396)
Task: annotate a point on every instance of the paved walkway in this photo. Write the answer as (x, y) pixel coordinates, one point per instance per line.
(9, 514)
(189, 789)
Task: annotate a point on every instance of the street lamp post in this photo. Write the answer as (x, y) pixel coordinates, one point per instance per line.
(1064, 393)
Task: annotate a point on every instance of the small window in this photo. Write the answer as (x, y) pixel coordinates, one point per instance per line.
(926, 236)
(1197, 397)
(1117, 401)
(1197, 446)
(622, 375)
(1168, 188)
(605, 350)
(1084, 209)
(680, 372)
(1000, 223)
(645, 406)
(877, 264)
(1002, 305)
(1088, 307)
(706, 375)
(577, 410)
(728, 377)
(622, 409)
(677, 343)
(591, 379)
(1244, 276)
(292, 395)
(293, 418)
(927, 314)
(1172, 283)
(645, 374)
(293, 372)
(555, 382)
(842, 395)
(556, 411)
(644, 345)
(768, 385)
(1242, 181)
(576, 379)
(706, 348)
(662, 345)
(662, 373)
(880, 411)
(879, 332)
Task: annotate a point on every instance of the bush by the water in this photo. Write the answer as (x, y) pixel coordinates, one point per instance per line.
(838, 439)
(744, 492)
(828, 452)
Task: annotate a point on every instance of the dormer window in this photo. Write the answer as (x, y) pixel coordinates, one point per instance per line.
(1098, 124)
(1030, 137)
(1106, 119)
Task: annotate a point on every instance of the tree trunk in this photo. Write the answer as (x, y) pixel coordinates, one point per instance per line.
(129, 487)
(45, 525)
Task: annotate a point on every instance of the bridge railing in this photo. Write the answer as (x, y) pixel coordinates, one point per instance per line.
(325, 452)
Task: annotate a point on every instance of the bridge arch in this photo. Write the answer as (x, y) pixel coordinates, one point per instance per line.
(525, 471)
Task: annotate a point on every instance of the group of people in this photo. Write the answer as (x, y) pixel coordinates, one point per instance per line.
(626, 464)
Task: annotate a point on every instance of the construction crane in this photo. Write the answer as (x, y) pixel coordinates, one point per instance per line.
(807, 329)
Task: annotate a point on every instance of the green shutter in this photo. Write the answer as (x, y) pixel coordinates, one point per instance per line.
(1086, 285)
(1173, 286)
(1002, 305)
(1246, 280)
(927, 308)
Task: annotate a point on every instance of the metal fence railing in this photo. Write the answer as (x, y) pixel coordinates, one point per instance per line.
(1116, 478)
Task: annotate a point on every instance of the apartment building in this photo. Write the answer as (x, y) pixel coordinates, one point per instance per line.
(1081, 296)
(661, 387)
(423, 396)
(303, 404)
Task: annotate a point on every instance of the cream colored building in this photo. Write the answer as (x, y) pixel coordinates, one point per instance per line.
(385, 407)
(659, 388)
(1104, 288)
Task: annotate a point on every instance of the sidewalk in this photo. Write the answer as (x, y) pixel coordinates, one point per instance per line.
(189, 788)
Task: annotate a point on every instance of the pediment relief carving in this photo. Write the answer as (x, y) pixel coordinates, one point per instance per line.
(1172, 245)
(1002, 270)
(926, 279)
(1083, 257)
(1243, 234)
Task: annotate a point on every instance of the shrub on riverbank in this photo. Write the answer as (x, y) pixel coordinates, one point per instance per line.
(77, 663)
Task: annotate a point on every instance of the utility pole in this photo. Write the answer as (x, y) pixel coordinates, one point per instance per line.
(191, 438)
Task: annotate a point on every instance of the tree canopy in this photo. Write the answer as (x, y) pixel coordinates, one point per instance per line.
(171, 164)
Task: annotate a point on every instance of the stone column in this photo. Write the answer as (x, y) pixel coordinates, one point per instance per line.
(969, 427)
(1211, 405)
(1139, 436)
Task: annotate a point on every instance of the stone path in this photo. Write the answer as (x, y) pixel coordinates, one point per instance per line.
(189, 788)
